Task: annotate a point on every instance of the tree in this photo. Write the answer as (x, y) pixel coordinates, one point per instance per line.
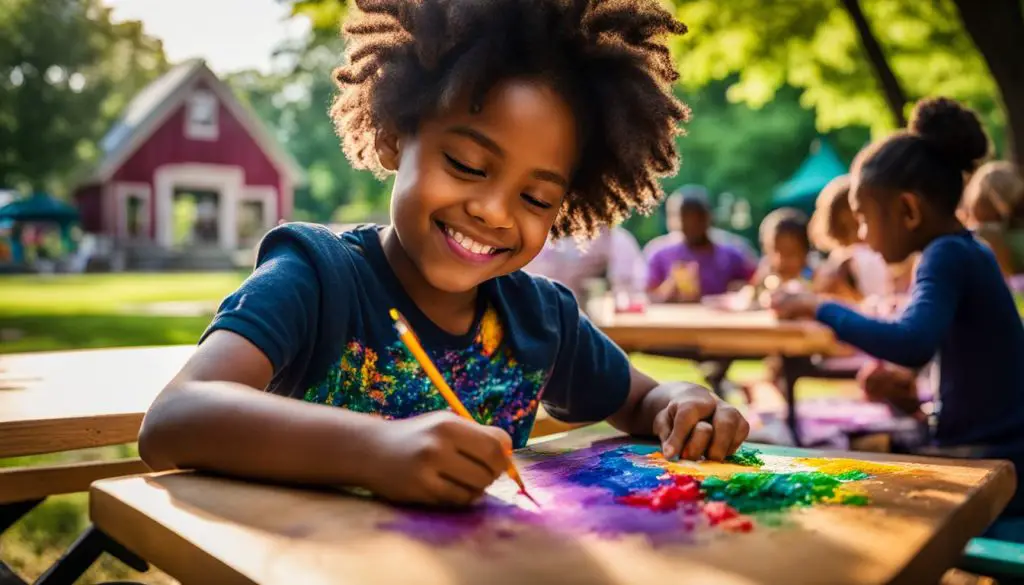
(819, 47)
(895, 97)
(295, 104)
(58, 97)
(997, 29)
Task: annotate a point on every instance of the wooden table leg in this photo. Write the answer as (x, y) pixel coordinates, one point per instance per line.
(793, 368)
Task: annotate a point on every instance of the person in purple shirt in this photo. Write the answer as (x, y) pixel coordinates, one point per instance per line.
(696, 266)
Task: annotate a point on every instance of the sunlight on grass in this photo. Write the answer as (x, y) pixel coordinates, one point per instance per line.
(108, 293)
(107, 310)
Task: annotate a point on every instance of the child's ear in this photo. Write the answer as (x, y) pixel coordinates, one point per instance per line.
(388, 151)
(910, 207)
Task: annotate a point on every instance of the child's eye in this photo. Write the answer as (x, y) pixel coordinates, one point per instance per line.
(536, 202)
(463, 168)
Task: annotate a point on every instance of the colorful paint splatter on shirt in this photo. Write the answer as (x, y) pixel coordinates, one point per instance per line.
(489, 381)
(632, 490)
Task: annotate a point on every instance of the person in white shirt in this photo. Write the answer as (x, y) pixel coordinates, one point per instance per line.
(614, 255)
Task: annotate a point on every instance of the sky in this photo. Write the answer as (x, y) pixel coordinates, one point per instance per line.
(229, 34)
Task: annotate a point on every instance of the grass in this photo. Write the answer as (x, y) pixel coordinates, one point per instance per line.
(88, 311)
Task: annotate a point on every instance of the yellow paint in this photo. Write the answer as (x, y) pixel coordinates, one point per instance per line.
(696, 468)
(837, 466)
(842, 492)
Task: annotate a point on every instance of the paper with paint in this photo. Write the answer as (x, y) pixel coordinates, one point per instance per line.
(630, 490)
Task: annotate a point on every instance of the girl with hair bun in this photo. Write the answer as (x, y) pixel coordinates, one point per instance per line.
(905, 191)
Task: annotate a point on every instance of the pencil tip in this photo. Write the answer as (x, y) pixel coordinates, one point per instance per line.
(394, 314)
(529, 497)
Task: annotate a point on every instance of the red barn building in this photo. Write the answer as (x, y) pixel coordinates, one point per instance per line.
(188, 167)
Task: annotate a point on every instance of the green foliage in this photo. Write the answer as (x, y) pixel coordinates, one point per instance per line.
(66, 72)
(812, 45)
(295, 104)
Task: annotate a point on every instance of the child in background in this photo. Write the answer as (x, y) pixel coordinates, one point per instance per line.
(990, 198)
(787, 249)
(905, 193)
(696, 266)
(674, 227)
(504, 122)
(853, 271)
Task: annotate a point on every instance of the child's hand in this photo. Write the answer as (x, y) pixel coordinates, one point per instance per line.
(696, 423)
(437, 458)
(789, 305)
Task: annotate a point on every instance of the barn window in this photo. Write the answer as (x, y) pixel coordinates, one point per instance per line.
(201, 116)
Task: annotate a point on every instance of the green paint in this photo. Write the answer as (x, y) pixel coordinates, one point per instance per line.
(746, 456)
(855, 500)
(852, 475)
(765, 492)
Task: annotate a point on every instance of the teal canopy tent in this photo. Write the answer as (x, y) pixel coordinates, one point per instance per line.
(42, 208)
(801, 189)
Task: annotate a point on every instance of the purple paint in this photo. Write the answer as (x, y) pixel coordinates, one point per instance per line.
(578, 491)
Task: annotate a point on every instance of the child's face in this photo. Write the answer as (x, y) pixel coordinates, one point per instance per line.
(476, 194)
(886, 223)
(695, 224)
(788, 255)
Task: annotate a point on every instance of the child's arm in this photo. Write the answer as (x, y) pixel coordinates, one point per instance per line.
(689, 420)
(912, 339)
(212, 417)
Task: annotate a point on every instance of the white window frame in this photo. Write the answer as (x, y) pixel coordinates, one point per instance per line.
(202, 131)
(122, 191)
(228, 181)
(266, 195)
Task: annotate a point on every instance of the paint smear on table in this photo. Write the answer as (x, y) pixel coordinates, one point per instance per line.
(632, 491)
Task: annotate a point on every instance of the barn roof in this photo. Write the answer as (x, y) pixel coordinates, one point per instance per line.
(150, 108)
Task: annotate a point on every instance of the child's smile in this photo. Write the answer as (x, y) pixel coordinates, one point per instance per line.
(469, 246)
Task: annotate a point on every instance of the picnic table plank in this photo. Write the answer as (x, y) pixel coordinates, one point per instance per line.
(202, 529)
(716, 332)
(60, 401)
(22, 484)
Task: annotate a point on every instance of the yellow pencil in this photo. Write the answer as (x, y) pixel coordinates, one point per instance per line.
(407, 336)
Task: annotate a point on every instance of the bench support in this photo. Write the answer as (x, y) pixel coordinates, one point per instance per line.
(83, 553)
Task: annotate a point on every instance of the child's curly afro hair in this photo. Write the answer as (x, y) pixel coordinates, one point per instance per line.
(408, 59)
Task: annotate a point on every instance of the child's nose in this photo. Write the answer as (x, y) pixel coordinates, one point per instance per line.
(491, 209)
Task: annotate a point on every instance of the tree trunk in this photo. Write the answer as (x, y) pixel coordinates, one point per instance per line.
(895, 97)
(997, 29)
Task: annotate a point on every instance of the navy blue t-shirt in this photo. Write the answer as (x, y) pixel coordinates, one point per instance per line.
(317, 305)
(961, 311)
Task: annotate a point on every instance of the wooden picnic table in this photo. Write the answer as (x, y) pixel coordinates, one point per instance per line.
(702, 333)
(712, 332)
(203, 529)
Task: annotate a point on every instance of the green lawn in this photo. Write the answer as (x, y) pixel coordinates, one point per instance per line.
(85, 311)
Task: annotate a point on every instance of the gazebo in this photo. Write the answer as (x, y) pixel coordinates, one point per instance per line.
(37, 208)
(802, 188)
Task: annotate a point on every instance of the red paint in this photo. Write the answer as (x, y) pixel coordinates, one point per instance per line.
(666, 498)
(738, 524)
(718, 512)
